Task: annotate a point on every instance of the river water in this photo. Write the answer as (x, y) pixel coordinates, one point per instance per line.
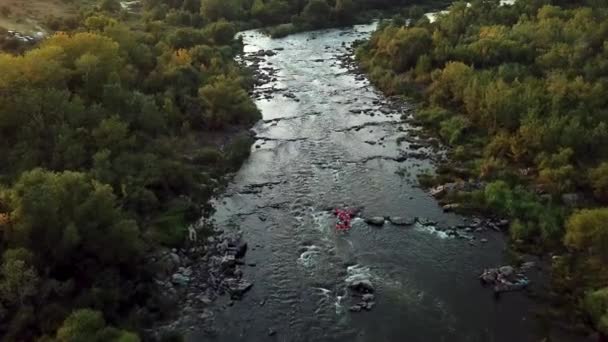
(316, 150)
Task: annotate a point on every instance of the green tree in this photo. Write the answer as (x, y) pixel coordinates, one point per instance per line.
(60, 215)
(86, 325)
(19, 279)
(587, 233)
(110, 5)
(215, 10)
(221, 32)
(226, 102)
(316, 13)
(596, 305)
(345, 11)
(599, 181)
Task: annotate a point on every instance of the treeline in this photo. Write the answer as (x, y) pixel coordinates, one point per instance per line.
(280, 17)
(113, 137)
(519, 91)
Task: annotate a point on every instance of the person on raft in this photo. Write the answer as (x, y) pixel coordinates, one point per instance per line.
(344, 218)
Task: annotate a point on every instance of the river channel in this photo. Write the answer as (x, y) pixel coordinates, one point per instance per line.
(329, 139)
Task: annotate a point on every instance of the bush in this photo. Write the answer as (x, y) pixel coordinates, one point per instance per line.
(281, 30)
(598, 178)
(453, 128)
(110, 5)
(433, 116)
(596, 305)
(587, 232)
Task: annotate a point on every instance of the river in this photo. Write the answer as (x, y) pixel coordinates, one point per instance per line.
(316, 150)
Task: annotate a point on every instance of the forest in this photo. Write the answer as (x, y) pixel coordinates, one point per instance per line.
(118, 128)
(109, 142)
(518, 92)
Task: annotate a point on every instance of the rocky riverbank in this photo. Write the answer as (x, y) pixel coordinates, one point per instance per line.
(194, 277)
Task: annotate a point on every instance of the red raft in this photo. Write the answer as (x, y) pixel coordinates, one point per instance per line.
(344, 218)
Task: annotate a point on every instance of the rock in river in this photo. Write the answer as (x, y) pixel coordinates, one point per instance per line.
(237, 287)
(361, 285)
(355, 308)
(368, 297)
(375, 221)
(180, 279)
(402, 221)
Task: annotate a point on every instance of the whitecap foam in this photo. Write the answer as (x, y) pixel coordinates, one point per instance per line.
(309, 256)
(433, 230)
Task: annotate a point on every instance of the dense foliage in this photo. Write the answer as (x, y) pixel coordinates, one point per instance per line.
(521, 88)
(109, 137)
(281, 17)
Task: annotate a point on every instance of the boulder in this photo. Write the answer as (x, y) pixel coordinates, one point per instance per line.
(375, 221)
(180, 279)
(503, 223)
(237, 287)
(368, 297)
(425, 221)
(368, 306)
(175, 258)
(402, 221)
(451, 207)
(361, 285)
(506, 271)
(527, 265)
(237, 249)
(489, 276)
(203, 298)
(228, 261)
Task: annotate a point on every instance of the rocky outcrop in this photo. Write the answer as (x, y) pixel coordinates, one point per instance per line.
(196, 276)
(504, 279)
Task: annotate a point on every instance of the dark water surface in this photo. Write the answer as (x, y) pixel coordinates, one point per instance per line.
(311, 158)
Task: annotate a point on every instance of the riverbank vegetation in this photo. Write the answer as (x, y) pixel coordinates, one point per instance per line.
(115, 135)
(518, 91)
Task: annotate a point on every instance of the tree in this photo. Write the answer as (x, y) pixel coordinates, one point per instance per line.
(316, 13)
(61, 215)
(215, 10)
(587, 233)
(86, 325)
(599, 181)
(19, 279)
(406, 46)
(110, 5)
(345, 11)
(226, 102)
(221, 32)
(596, 305)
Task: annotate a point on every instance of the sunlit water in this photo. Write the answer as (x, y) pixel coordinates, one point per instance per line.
(310, 160)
